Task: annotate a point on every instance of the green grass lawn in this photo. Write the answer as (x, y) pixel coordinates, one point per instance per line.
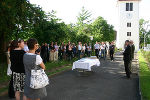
(144, 77)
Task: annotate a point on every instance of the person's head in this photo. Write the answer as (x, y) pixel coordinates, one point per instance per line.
(52, 43)
(20, 43)
(55, 43)
(131, 42)
(32, 44)
(45, 44)
(14, 44)
(25, 42)
(127, 42)
(17, 44)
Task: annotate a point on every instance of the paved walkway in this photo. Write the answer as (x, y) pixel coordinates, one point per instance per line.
(106, 83)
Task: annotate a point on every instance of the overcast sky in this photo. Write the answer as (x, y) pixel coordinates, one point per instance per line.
(68, 10)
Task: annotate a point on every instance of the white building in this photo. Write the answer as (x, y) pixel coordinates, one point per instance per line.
(128, 22)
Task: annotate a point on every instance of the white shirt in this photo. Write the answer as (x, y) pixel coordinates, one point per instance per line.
(96, 46)
(79, 47)
(89, 48)
(56, 47)
(103, 46)
(83, 48)
(26, 49)
(38, 58)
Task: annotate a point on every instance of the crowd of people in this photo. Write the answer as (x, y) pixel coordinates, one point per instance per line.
(55, 52)
(23, 55)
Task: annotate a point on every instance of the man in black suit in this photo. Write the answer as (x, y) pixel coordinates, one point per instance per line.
(132, 49)
(132, 54)
(44, 52)
(127, 58)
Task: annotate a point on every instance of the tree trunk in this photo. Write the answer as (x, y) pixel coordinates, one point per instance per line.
(2, 49)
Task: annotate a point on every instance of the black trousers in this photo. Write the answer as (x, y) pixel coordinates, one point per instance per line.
(70, 55)
(45, 57)
(96, 52)
(11, 92)
(79, 52)
(127, 69)
(111, 55)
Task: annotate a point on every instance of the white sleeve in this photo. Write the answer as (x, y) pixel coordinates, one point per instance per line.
(38, 60)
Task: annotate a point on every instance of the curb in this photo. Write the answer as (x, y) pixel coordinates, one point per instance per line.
(50, 76)
(140, 93)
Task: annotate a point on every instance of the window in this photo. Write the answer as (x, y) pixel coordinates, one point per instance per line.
(128, 33)
(128, 24)
(129, 6)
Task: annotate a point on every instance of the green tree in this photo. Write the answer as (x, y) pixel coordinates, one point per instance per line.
(102, 31)
(142, 28)
(13, 21)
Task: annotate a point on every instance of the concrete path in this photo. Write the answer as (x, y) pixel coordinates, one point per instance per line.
(108, 82)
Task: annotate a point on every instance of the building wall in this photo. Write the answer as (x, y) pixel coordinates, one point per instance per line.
(123, 20)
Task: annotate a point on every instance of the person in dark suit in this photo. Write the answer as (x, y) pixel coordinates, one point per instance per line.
(132, 49)
(127, 58)
(44, 52)
(132, 55)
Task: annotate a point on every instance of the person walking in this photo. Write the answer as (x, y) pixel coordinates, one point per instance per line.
(111, 51)
(17, 67)
(127, 57)
(30, 61)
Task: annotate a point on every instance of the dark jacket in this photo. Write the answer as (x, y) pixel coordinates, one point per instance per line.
(127, 54)
(132, 50)
(16, 58)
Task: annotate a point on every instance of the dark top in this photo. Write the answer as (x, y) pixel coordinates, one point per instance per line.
(112, 47)
(52, 47)
(127, 54)
(38, 51)
(16, 58)
(132, 48)
(44, 49)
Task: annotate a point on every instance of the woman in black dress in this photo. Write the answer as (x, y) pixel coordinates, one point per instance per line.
(17, 67)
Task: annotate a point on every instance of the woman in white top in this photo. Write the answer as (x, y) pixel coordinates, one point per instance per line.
(79, 49)
(31, 60)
